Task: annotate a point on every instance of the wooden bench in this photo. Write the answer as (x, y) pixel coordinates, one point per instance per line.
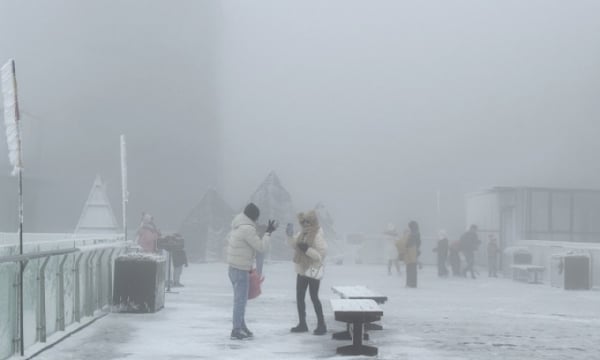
(360, 292)
(356, 313)
(527, 273)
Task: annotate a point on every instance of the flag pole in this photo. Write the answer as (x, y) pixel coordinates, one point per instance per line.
(20, 175)
(13, 137)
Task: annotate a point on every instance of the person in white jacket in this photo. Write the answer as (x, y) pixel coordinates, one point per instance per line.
(310, 249)
(242, 244)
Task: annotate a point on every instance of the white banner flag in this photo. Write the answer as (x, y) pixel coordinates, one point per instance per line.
(11, 115)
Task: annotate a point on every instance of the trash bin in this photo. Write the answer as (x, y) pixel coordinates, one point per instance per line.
(571, 271)
(139, 283)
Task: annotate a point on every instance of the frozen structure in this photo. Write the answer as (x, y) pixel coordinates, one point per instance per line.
(97, 216)
(335, 250)
(547, 222)
(275, 202)
(206, 227)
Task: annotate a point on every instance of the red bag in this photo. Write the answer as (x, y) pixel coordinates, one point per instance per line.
(255, 281)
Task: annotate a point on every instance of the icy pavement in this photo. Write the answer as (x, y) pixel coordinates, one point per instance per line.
(452, 318)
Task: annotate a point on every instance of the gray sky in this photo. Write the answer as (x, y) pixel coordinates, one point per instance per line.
(368, 106)
(371, 106)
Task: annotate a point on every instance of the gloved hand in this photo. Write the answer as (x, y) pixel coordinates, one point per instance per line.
(303, 247)
(272, 226)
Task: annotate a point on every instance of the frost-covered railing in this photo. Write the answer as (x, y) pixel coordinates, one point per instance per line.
(66, 283)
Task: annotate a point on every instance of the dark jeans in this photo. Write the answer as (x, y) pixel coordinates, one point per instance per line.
(302, 283)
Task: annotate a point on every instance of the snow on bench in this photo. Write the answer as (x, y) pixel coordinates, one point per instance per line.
(524, 272)
(358, 292)
(356, 313)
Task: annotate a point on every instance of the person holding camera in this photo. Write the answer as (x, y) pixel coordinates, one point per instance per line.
(310, 249)
(242, 244)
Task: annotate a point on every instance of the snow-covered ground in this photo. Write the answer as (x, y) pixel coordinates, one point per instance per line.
(452, 318)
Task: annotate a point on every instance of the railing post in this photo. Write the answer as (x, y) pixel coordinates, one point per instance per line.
(60, 301)
(99, 285)
(15, 326)
(41, 313)
(89, 296)
(110, 279)
(77, 299)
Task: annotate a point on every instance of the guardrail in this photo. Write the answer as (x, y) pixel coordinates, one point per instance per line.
(63, 289)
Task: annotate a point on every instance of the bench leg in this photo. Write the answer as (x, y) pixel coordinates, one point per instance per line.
(347, 334)
(357, 348)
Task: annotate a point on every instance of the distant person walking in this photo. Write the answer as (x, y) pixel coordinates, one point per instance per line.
(492, 252)
(309, 255)
(469, 243)
(242, 244)
(442, 253)
(391, 234)
(147, 234)
(413, 249)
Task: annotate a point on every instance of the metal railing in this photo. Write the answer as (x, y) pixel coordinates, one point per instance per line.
(62, 288)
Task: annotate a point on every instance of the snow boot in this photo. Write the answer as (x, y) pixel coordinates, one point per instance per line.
(301, 327)
(247, 331)
(238, 334)
(321, 329)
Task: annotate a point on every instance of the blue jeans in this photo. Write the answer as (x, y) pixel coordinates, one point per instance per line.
(240, 282)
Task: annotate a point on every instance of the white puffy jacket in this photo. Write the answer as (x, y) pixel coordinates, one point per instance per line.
(243, 243)
(315, 255)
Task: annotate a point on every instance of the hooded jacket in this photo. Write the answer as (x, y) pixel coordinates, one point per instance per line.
(243, 243)
(317, 247)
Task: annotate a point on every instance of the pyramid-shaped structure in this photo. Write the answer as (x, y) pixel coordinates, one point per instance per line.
(97, 216)
(206, 227)
(275, 202)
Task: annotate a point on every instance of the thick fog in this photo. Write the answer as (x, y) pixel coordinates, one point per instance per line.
(373, 108)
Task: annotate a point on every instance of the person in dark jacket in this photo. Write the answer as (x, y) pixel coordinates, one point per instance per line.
(413, 249)
(179, 258)
(442, 253)
(469, 243)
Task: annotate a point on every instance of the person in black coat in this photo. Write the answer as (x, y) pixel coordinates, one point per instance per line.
(442, 253)
(413, 246)
(469, 243)
(179, 259)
